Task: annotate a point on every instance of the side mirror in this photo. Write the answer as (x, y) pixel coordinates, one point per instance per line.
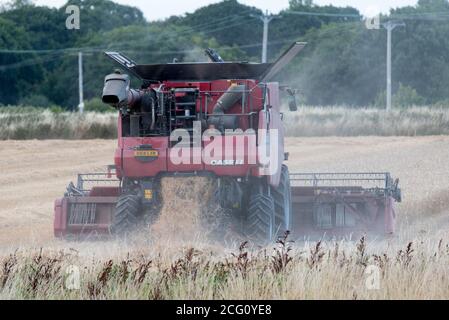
(292, 104)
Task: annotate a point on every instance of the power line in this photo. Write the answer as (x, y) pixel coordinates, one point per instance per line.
(171, 34)
(191, 29)
(28, 63)
(37, 51)
(429, 16)
(226, 48)
(180, 34)
(421, 17)
(220, 24)
(32, 62)
(323, 14)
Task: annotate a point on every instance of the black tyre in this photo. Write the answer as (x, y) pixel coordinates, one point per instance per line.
(126, 214)
(282, 204)
(261, 215)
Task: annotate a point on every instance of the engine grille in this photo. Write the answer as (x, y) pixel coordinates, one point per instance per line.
(82, 214)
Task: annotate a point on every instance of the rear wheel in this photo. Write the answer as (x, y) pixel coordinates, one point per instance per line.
(126, 214)
(261, 214)
(283, 204)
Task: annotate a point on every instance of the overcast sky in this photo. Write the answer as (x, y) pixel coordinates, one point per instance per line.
(155, 10)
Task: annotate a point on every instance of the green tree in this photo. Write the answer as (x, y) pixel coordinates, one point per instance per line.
(151, 44)
(104, 15)
(421, 60)
(331, 71)
(300, 3)
(26, 26)
(19, 72)
(345, 63)
(229, 22)
(405, 96)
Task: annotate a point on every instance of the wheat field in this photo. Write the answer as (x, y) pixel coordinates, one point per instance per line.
(347, 122)
(23, 123)
(164, 265)
(283, 271)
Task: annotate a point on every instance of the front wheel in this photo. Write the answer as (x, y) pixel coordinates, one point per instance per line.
(126, 214)
(260, 224)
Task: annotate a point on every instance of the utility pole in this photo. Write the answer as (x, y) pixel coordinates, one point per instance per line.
(390, 26)
(80, 83)
(266, 19)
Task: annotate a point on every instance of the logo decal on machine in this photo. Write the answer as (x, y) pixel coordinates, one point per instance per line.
(227, 162)
(146, 154)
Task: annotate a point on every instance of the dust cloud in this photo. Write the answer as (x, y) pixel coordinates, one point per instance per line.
(184, 208)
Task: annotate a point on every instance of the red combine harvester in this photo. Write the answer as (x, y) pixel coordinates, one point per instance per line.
(222, 120)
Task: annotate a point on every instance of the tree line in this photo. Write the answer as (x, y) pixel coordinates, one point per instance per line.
(344, 62)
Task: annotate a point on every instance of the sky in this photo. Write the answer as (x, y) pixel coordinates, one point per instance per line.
(153, 10)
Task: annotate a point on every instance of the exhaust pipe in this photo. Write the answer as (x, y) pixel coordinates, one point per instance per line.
(116, 91)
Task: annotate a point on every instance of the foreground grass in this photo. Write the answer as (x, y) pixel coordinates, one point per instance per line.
(321, 271)
(32, 123)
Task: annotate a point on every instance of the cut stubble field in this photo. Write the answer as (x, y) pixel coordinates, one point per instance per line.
(34, 173)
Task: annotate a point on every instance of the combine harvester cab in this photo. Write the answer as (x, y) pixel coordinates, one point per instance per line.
(342, 205)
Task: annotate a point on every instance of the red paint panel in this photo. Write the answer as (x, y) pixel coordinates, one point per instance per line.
(128, 166)
(191, 160)
(104, 192)
(103, 216)
(60, 219)
(118, 163)
(238, 155)
(133, 168)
